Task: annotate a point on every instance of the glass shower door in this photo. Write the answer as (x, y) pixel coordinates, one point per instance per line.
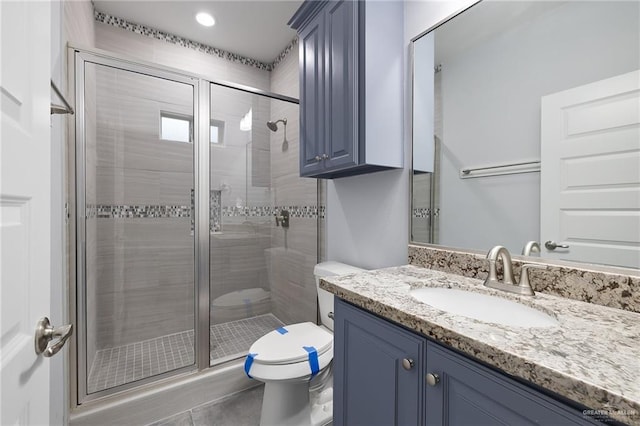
(136, 184)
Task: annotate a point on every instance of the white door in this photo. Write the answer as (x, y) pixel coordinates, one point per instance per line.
(24, 208)
(590, 173)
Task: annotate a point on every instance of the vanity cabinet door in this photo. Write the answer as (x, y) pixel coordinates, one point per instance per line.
(371, 384)
(468, 393)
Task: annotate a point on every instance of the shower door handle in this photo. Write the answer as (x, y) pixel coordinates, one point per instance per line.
(45, 332)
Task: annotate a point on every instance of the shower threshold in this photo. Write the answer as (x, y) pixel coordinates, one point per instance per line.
(136, 361)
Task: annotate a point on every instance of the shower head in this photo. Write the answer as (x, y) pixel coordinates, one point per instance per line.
(273, 125)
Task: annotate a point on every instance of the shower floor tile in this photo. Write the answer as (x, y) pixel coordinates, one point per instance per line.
(136, 361)
(232, 339)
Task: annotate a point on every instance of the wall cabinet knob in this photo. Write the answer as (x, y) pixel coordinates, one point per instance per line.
(318, 158)
(325, 157)
(433, 379)
(407, 363)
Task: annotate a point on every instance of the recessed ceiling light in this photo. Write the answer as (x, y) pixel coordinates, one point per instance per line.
(205, 19)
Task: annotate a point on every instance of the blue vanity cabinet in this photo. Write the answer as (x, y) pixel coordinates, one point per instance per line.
(350, 86)
(378, 371)
(372, 386)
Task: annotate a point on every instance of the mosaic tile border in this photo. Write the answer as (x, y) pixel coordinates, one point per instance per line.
(421, 213)
(284, 53)
(307, 212)
(103, 211)
(140, 29)
(589, 284)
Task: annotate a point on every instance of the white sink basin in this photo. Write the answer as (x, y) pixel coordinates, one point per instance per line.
(483, 307)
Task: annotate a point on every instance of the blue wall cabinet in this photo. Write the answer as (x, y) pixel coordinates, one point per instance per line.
(440, 387)
(379, 370)
(351, 93)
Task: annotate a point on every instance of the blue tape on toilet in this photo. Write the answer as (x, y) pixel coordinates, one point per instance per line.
(282, 330)
(313, 360)
(247, 364)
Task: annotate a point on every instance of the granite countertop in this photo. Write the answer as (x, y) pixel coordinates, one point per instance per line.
(592, 357)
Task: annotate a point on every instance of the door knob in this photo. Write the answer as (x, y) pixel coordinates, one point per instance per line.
(552, 245)
(45, 332)
(407, 363)
(433, 379)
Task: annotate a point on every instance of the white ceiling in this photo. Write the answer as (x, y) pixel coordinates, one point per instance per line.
(255, 29)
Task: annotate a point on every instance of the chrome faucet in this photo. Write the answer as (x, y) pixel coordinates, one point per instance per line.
(531, 247)
(508, 280)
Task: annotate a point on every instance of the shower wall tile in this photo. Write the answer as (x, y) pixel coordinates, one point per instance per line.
(237, 261)
(148, 49)
(78, 21)
(294, 251)
(260, 169)
(127, 186)
(139, 263)
(293, 292)
(123, 43)
(141, 314)
(292, 190)
(175, 187)
(284, 78)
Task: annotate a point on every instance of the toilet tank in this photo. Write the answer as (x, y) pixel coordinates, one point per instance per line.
(325, 299)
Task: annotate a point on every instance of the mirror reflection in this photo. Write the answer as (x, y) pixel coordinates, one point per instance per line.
(526, 127)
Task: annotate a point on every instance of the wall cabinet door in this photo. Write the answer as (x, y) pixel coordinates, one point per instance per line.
(371, 385)
(470, 393)
(312, 129)
(341, 79)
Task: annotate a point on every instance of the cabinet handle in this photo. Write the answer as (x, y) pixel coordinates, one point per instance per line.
(433, 379)
(325, 157)
(407, 363)
(318, 158)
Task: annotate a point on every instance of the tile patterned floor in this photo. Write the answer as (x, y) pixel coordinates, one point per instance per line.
(125, 364)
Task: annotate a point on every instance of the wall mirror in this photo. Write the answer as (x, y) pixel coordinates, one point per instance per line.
(526, 127)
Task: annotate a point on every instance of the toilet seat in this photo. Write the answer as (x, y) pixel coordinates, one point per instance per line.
(285, 353)
(286, 344)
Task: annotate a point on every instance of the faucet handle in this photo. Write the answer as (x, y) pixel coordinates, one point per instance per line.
(524, 274)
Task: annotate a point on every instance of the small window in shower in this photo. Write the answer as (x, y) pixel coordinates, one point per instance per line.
(176, 127)
(216, 134)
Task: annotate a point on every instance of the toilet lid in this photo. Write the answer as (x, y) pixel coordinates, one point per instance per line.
(286, 345)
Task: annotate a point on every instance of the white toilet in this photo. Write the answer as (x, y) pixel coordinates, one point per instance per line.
(294, 361)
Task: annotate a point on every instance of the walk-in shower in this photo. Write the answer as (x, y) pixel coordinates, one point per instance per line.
(176, 248)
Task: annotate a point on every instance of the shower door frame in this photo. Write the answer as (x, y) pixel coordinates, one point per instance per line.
(78, 57)
(201, 149)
